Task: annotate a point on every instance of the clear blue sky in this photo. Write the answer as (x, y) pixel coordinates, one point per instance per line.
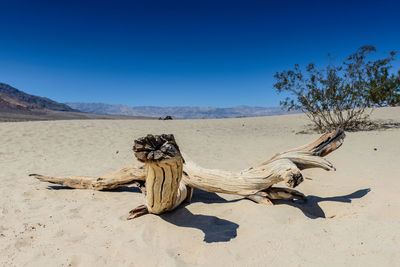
(180, 53)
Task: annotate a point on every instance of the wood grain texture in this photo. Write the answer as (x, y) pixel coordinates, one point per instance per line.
(132, 174)
(167, 180)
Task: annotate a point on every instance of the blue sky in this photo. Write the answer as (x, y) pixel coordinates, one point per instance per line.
(180, 53)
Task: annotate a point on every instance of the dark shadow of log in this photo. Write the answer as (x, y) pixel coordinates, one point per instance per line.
(131, 189)
(210, 197)
(311, 208)
(59, 187)
(198, 195)
(214, 228)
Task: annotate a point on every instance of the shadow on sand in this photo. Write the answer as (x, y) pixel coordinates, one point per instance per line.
(220, 230)
(59, 187)
(311, 207)
(214, 228)
(210, 198)
(132, 189)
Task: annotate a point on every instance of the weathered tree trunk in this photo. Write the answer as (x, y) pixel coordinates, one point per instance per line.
(284, 166)
(164, 190)
(131, 174)
(169, 180)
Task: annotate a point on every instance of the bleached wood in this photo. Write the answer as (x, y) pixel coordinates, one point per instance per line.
(162, 185)
(164, 162)
(131, 174)
(284, 167)
(244, 183)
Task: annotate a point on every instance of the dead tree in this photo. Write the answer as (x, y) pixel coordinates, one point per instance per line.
(167, 180)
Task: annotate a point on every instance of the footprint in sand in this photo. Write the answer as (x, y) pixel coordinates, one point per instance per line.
(75, 261)
(74, 213)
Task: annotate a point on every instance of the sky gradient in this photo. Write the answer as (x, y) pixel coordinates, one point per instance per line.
(180, 53)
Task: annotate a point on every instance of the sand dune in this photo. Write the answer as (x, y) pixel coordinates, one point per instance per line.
(352, 217)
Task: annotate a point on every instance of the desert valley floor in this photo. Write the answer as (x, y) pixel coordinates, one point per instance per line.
(352, 216)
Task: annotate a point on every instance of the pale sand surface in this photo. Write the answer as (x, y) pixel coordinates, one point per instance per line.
(342, 223)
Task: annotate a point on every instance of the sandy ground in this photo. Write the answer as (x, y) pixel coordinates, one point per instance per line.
(352, 216)
(45, 115)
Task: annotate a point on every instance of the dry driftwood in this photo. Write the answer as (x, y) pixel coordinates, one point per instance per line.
(164, 189)
(131, 174)
(167, 180)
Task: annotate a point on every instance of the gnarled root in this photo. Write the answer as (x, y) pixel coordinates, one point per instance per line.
(167, 181)
(283, 193)
(138, 211)
(164, 190)
(130, 175)
(260, 198)
(265, 196)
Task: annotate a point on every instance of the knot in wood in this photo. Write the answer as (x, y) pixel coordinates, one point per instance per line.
(156, 148)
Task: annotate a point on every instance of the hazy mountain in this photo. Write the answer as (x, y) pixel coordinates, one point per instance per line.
(16, 105)
(14, 99)
(178, 112)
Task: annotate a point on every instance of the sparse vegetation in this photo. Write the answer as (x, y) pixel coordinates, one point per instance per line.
(337, 96)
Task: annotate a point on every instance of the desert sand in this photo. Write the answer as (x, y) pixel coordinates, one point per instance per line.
(352, 216)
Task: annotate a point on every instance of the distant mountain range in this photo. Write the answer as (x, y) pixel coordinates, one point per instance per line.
(178, 112)
(12, 99)
(16, 105)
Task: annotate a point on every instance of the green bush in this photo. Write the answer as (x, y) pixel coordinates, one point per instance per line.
(337, 96)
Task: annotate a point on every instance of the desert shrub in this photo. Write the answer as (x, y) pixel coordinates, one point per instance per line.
(337, 96)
